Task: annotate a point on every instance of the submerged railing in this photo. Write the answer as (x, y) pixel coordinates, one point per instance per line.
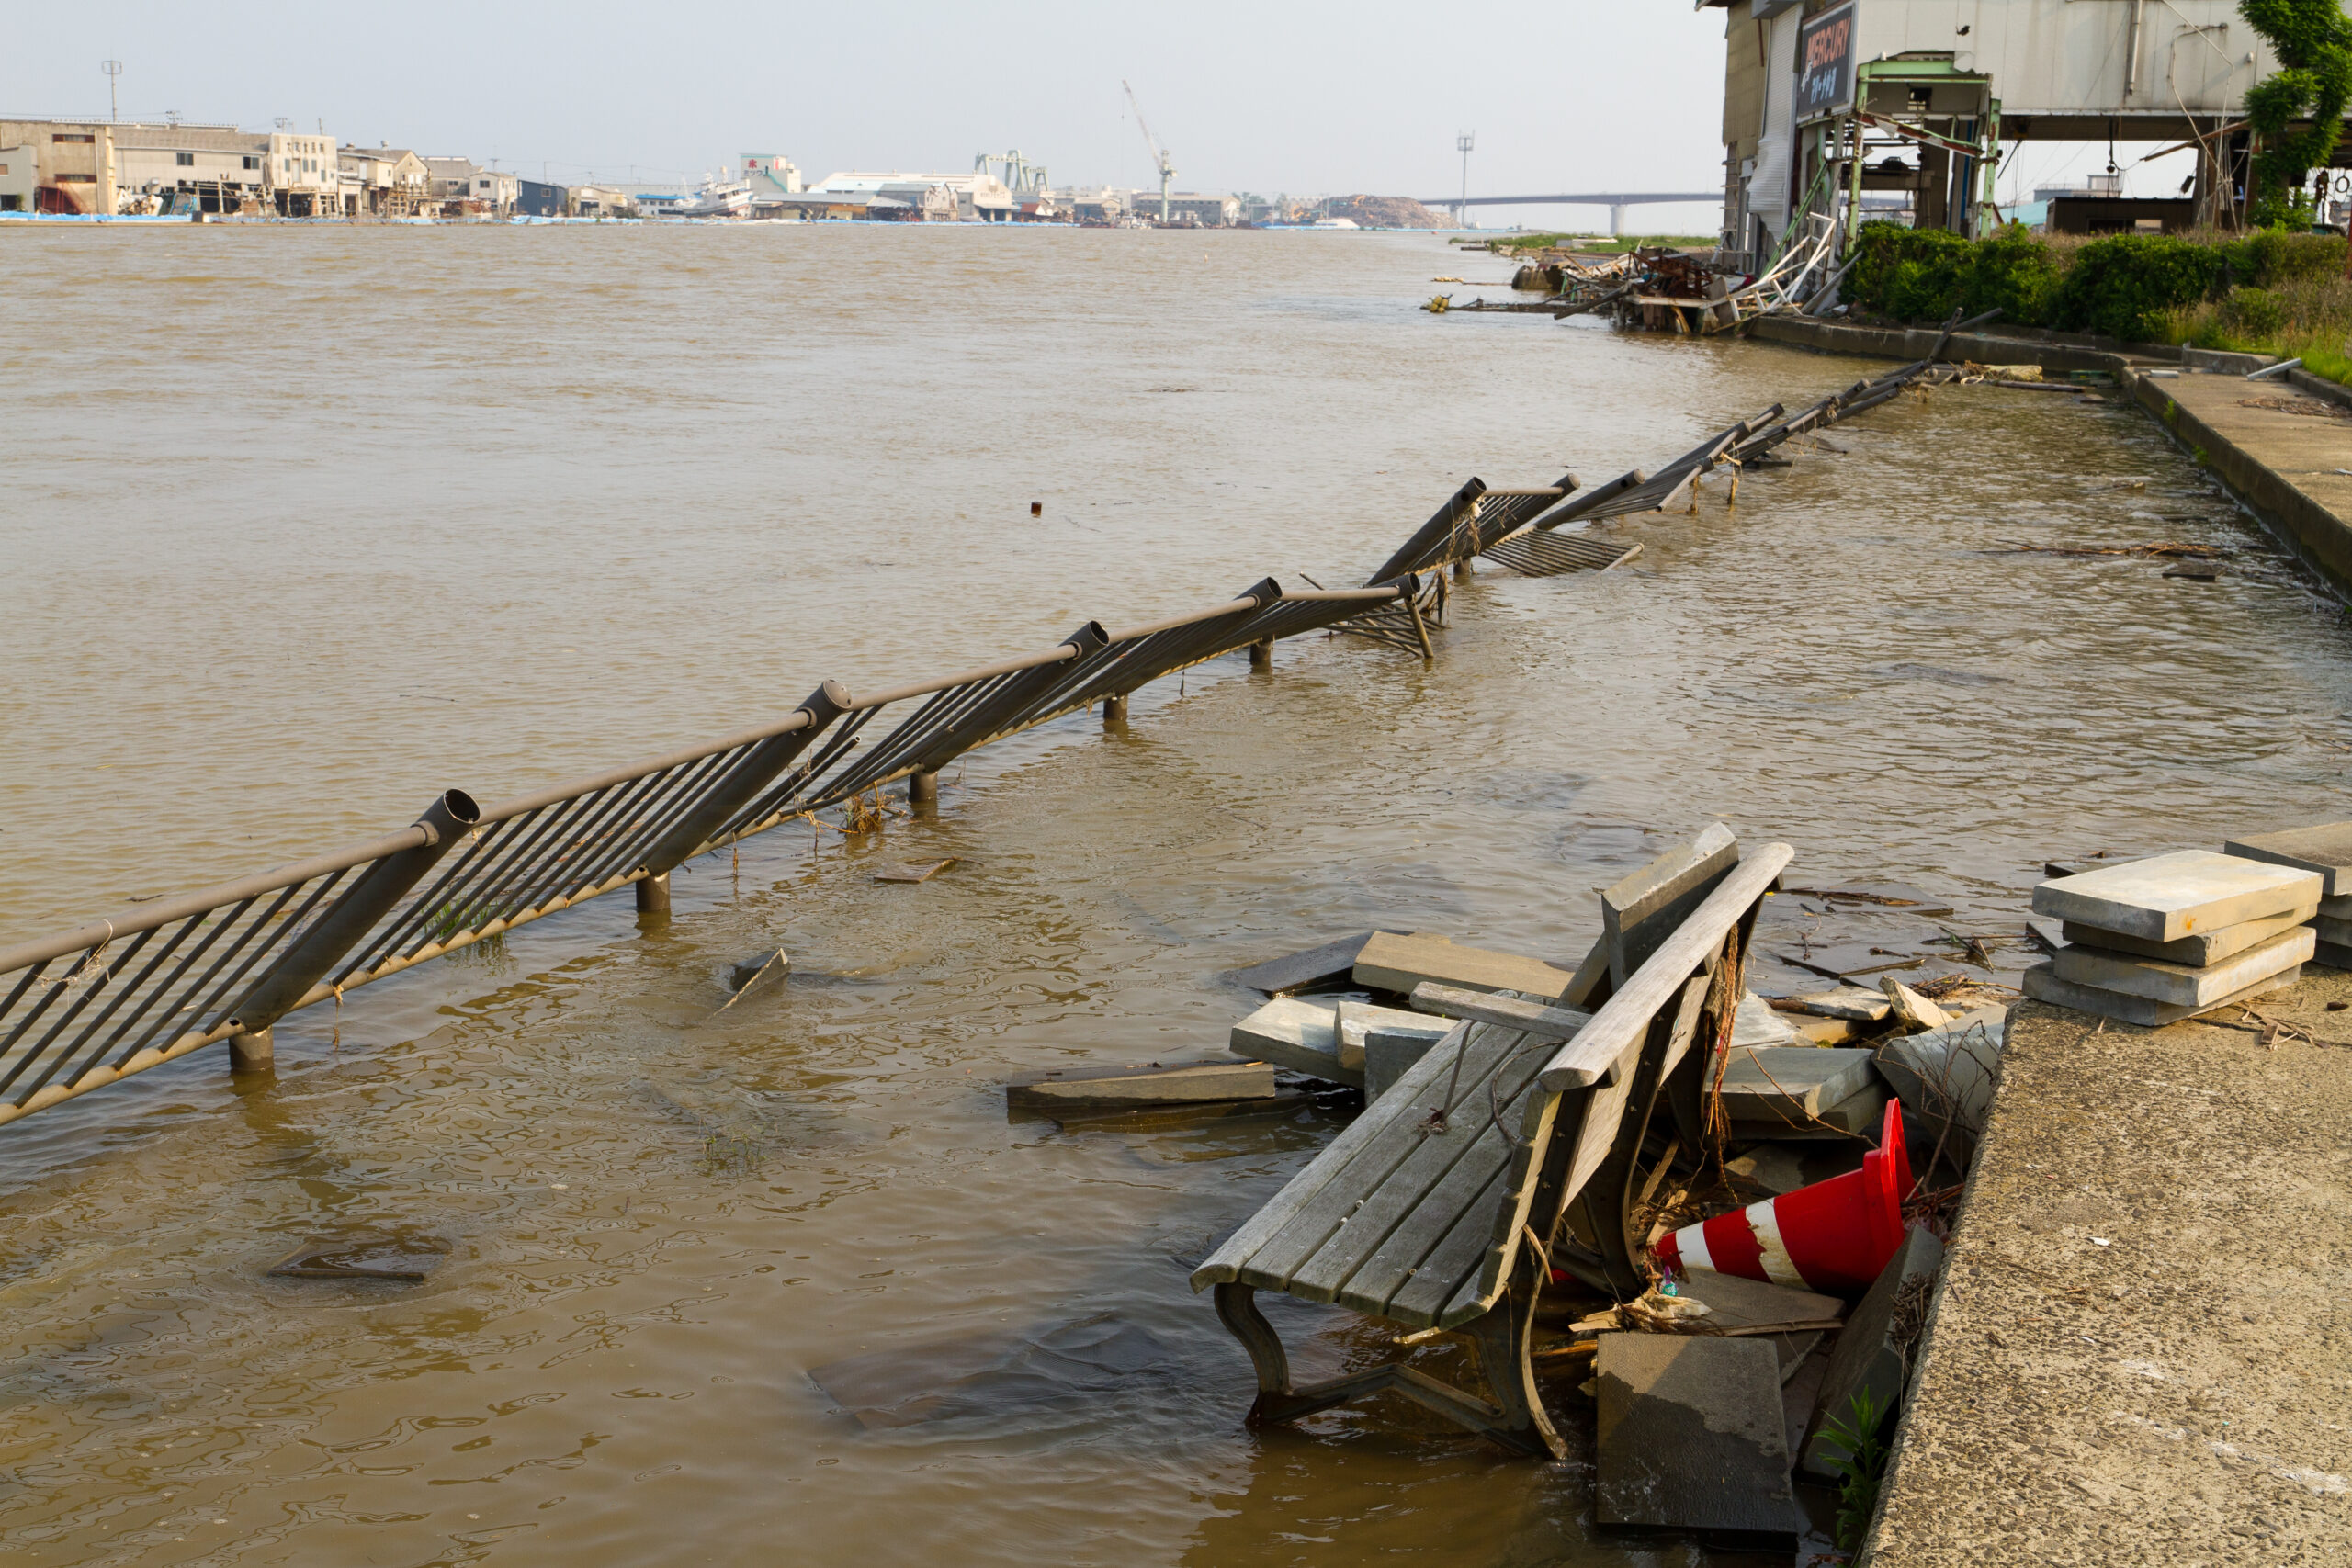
(88, 1006)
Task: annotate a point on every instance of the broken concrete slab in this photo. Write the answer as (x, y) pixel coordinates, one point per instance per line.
(366, 1255)
(1295, 1034)
(757, 977)
(1400, 962)
(2180, 984)
(1791, 1319)
(1129, 1087)
(2325, 848)
(1857, 1116)
(2165, 897)
(1356, 1020)
(1946, 1075)
(1761, 1081)
(1690, 1436)
(1846, 1002)
(1755, 1023)
(2044, 984)
(1873, 1351)
(1912, 1011)
(2199, 948)
(1327, 964)
(1389, 1053)
(1640, 911)
(1825, 1031)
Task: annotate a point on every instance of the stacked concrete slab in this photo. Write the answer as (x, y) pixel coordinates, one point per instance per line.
(2326, 850)
(2152, 942)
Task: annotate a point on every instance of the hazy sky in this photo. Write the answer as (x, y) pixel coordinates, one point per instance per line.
(1275, 95)
(1265, 97)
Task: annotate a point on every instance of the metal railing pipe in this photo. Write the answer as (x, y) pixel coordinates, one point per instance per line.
(353, 916)
(744, 781)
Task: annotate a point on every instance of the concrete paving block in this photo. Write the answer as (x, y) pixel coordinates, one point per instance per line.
(1295, 1035)
(1315, 966)
(1356, 1020)
(2043, 985)
(1825, 1031)
(2198, 949)
(2325, 848)
(1755, 1023)
(1640, 911)
(2332, 928)
(1946, 1075)
(1858, 1114)
(1690, 1436)
(1872, 1349)
(2179, 983)
(1400, 962)
(1912, 1010)
(1388, 1054)
(1855, 1002)
(2166, 897)
(2338, 907)
(758, 977)
(1766, 1080)
(2334, 954)
(1188, 1083)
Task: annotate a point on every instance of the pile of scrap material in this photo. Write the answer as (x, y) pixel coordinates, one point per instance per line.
(1790, 1256)
(2174, 936)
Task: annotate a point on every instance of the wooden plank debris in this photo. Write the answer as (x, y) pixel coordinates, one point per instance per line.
(1791, 1079)
(1638, 912)
(916, 871)
(758, 977)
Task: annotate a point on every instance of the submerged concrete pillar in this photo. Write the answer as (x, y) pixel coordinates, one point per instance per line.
(653, 895)
(252, 1053)
(1462, 572)
(923, 789)
(1262, 654)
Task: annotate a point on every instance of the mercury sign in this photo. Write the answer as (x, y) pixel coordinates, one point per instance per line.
(1826, 63)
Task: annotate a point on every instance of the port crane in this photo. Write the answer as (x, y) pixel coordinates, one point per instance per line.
(1166, 168)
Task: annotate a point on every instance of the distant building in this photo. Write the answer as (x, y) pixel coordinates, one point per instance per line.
(899, 202)
(601, 201)
(384, 181)
(1191, 206)
(534, 199)
(979, 197)
(1097, 204)
(463, 188)
(769, 174)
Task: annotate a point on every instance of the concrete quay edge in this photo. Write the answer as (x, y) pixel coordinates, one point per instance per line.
(2140, 1350)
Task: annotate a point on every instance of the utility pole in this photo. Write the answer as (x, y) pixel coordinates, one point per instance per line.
(1463, 144)
(113, 68)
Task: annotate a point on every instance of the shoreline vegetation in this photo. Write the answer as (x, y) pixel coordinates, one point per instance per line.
(2271, 291)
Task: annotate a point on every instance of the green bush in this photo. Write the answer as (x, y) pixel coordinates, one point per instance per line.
(2254, 313)
(1913, 274)
(2015, 274)
(2268, 257)
(2129, 285)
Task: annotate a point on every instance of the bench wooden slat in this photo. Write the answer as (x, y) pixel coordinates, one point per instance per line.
(1399, 1221)
(1499, 1008)
(1624, 1017)
(1224, 1266)
(1455, 1265)
(1600, 1131)
(1334, 1218)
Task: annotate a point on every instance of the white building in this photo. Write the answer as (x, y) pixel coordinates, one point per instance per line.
(1823, 102)
(979, 197)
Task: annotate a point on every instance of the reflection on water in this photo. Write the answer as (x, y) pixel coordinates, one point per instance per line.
(493, 507)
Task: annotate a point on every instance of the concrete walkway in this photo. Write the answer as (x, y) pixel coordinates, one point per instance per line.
(2141, 1352)
(2284, 452)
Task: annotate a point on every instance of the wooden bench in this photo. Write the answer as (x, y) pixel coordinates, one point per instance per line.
(1503, 1155)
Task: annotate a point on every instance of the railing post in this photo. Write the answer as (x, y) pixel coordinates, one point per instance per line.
(756, 769)
(1114, 710)
(922, 788)
(347, 920)
(252, 1053)
(653, 895)
(1262, 654)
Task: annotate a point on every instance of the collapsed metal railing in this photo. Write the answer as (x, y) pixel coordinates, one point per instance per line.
(89, 1007)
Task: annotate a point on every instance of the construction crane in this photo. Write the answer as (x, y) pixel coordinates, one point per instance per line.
(1167, 169)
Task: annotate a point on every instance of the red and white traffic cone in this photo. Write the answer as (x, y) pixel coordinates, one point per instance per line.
(1833, 1236)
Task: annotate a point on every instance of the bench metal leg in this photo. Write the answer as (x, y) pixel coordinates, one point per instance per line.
(1523, 1429)
(1504, 1337)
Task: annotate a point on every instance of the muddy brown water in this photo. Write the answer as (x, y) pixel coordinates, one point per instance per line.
(303, 526)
